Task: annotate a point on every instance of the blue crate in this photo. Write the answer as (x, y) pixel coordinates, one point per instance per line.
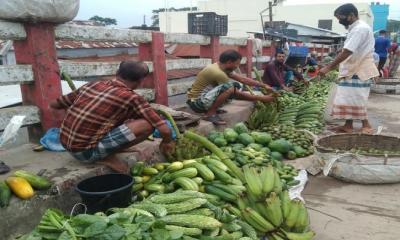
(298, 51)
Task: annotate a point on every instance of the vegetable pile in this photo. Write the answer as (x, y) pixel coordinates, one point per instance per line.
(179, 215)
(212, 197)
(229, 185)
(274, 142)
(22, 184)
(304, 110)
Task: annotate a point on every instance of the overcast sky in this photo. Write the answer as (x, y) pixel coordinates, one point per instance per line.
(130, 12)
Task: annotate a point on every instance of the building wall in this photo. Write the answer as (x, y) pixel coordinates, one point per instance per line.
(381, 13)
(243, 16)
(296, 14)
(175, 22)
(240, 20)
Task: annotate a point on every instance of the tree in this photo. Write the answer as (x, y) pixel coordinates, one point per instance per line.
(156, 20)
(105, 21)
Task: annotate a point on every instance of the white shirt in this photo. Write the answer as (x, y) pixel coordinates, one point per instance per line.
(257, 47)
(360, 41)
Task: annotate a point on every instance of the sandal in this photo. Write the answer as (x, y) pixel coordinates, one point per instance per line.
(4, 168)
(215, 119)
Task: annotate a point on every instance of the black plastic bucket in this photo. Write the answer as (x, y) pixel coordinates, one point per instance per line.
(102, 192)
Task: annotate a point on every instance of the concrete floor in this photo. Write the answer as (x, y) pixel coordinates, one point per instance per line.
(353, 212)
(347, 211)
(384, 110)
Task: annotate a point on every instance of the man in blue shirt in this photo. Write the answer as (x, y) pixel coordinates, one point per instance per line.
(382, 45)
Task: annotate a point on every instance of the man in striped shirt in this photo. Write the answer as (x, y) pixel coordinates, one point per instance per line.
(104, 117)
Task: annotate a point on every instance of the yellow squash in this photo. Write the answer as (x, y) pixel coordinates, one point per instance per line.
(20, 187)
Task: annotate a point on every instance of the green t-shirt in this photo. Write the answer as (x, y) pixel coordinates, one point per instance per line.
(212, 75)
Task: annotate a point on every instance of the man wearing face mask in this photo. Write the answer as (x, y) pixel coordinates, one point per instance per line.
(213, 87)
(356, 71)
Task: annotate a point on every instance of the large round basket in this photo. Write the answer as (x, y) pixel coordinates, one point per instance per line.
(386, 86)
(339, 155)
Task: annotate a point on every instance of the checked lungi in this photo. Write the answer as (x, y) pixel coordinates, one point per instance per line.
(351, 99)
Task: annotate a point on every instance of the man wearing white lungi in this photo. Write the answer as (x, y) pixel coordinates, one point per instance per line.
(356, 71)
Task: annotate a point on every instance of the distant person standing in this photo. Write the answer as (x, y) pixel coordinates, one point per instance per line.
(394, 59)
(382, 45)
(393, 48)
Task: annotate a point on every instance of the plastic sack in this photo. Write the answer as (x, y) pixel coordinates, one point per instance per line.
(349, 167)
(56, 11)
(51, 140)
(157, 134)
(11, 129)
(295, 191)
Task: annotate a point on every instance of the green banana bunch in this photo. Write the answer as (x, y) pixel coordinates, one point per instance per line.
(273, 209)
(302, 221)
(291, 219)
(282, 235)
(285, 203)
(268, 179)
(253, 218)
(278, 186)
(253, 180)
(299, 236)
(276, 236)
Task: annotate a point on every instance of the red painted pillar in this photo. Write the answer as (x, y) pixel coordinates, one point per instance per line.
(212, 50)
(154, 51)
(247, 51)
(160, 68)
(145, 55)
(38, 49)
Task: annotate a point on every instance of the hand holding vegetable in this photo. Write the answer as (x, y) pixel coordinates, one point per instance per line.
(268, 88)
(324, 71)
(167, 147)
(288, 89)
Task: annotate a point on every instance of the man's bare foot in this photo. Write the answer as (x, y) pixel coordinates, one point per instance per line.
(342, 129)
(115, 164)
(367, 130)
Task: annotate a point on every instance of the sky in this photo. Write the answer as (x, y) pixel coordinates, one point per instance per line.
(130, 12)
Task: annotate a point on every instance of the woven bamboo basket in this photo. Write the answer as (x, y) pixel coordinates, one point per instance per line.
(340, 160)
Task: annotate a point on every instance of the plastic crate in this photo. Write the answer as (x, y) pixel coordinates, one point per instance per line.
(298, 51)
(207, 23)
(293, 61)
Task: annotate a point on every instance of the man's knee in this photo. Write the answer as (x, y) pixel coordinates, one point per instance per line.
(140, 127)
